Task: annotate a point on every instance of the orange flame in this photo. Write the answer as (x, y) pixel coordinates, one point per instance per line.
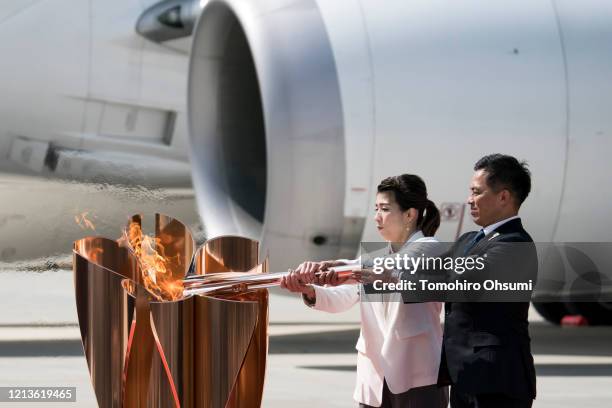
(84, 222)
(155, 266)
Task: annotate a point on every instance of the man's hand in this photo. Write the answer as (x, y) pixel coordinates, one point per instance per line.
(367, 276)
(330, 277)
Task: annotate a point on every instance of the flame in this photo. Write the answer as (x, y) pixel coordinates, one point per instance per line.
(155, 265)
(84, 222)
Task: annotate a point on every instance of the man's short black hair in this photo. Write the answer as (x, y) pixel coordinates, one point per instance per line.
(506, 172)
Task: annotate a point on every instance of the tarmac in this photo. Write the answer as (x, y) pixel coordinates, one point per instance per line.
(311, 354)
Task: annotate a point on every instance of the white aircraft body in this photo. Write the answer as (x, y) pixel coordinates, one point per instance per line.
(92, 121)
(293, 111)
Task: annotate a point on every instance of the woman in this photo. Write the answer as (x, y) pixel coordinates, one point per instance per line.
(399, 344)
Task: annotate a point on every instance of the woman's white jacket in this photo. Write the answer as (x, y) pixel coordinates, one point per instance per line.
(398, 342)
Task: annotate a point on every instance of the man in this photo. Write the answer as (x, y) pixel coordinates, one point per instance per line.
(486, 354)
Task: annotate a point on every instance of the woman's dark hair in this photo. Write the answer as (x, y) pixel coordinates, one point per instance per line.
(410, 192)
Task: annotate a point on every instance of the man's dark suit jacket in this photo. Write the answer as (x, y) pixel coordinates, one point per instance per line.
(486, 346)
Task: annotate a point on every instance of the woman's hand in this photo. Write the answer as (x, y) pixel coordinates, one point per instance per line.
(299, 280)
(293, 283)
(307, 270)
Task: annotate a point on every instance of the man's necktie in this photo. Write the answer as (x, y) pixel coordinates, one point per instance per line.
(474, 241)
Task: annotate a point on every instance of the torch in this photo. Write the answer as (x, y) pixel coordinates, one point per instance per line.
(251, 280)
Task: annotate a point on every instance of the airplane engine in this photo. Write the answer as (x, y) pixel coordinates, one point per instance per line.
(297, 109)
(266, 127)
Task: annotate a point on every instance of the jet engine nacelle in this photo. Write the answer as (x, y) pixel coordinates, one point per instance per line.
(297, 109)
